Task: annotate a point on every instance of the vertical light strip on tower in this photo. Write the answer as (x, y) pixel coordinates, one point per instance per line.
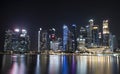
(39, 40)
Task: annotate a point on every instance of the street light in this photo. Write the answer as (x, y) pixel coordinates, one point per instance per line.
(39, 40)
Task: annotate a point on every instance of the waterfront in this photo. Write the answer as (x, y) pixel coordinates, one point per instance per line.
(59, 64)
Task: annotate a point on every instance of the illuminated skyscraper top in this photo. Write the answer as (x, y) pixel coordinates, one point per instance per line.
(105, 27)
(91, 22)
(105, 33)
(65, 37)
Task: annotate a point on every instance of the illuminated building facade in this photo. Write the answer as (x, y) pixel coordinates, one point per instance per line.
(105, 33)
(83, 32)
(74, 37)
(89, 32)
(81, 43)
(81, 39)
(70, 36)
(54, 41)
(113, 42)
(88, 41)
(54, 45)
(95, 35)
(100, 39)
(44, 40)
(65, 37)
(52, 35)
(91, 28)
(16, 40)
(39, 39)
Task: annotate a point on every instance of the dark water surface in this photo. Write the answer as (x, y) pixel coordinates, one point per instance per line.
(59, 64)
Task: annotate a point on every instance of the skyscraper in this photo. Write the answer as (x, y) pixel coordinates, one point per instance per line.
(113, 42)
(105, 33)
(83, 32)
(89, 32)
(95, 35)
(74, 37)
(39, 39)
(65, 37)
(91, 28)
(44, 40)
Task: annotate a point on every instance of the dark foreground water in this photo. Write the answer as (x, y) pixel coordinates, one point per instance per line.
(59, 64)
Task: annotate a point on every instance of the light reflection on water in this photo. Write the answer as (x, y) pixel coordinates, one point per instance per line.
(54, 64)
(37, 69)
(59, 64)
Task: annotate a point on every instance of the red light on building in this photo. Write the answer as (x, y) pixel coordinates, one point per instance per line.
(53, 36)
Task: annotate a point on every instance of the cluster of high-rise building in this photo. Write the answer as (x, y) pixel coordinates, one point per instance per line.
(89, 36)
(16, 40)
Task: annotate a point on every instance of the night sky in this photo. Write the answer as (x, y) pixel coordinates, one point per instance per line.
(34, 14)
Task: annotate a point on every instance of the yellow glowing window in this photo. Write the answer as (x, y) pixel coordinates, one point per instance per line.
(105, 26)
(95, 27)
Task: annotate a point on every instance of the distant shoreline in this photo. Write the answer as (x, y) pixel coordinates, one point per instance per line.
(63, 53)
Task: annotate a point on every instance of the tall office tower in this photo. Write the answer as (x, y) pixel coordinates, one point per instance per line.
(81, 39)
(88, 42)
(44, 40)
(74, 37)
(89, 32)
(65, 37)
(91, 27)
(105, 33)
(70, 37)
(95, 36)
(39, 39)
(17, 40)
(113, 42)
(83, 32)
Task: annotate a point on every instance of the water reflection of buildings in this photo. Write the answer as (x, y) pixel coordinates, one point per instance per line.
(65, 69)
(44, 63)
(54, 64)
(6, 62)
(60, 64)
(73, 67)
(16, 64)
(99, 64)
(81, 64)
(115, 66)
(37, 69)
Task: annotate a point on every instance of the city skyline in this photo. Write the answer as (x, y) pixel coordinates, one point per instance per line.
(59, 37)
(58, 33)
(72, 38)
(32, 15)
